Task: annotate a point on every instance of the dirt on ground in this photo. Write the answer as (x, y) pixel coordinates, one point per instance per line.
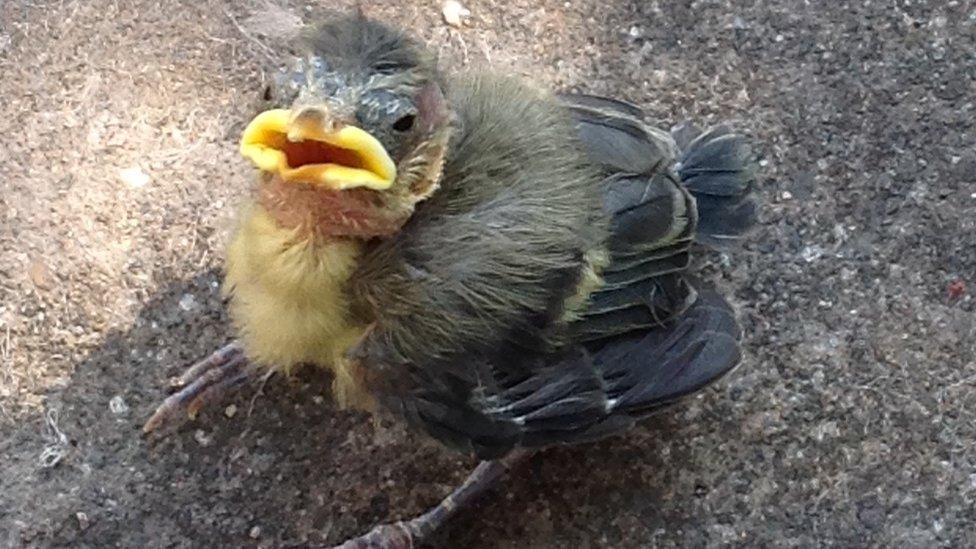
(850, 423)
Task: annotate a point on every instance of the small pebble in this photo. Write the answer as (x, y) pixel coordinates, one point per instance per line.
(39, 274)
(255, 532)
(811, 253)
(454, 13)
(188, 302)
(957, 288)
(231, 410)
(134, 177)
(201, 437)
(118, 406)
(83, 521)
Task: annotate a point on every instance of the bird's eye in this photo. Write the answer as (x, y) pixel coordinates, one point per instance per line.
(404, 123)
(387, 67)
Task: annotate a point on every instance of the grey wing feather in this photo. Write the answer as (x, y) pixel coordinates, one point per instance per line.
(615, 135)
(719, 170)
(586, 394)
(653, 220)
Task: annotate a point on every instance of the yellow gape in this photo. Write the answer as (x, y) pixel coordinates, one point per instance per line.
(299, 149)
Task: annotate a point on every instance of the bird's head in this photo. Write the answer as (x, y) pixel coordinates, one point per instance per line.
(358, 132)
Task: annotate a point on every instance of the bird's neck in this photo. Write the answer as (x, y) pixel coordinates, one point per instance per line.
(326, 215)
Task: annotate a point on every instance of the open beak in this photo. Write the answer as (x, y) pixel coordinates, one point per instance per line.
(304, 149)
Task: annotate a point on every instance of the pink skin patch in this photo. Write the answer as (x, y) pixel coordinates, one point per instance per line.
(431, 108)
(358, 213)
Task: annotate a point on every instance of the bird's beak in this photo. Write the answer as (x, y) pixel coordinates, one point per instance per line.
(302, 145)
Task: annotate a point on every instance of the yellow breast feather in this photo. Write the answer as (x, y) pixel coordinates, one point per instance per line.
(288, 301)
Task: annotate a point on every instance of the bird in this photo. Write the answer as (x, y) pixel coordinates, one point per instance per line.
(500, 266)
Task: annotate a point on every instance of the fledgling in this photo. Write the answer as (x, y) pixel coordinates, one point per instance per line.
(501, 267)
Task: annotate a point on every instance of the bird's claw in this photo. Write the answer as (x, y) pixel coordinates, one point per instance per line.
(204, 382)
(398, 535)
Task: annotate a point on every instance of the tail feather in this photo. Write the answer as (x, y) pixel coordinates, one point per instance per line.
(717, 167)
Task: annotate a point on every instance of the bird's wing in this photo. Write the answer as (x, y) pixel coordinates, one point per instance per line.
(644, 284)
(583, 395)
(616, 136)
(653, 220)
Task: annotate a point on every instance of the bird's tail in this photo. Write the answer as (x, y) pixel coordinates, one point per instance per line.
(718, 168)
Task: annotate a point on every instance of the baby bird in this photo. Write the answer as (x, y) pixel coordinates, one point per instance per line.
(501, 267)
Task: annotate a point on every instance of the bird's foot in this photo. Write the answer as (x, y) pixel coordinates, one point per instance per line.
(385, 536)
(204, 383)
(407, 534)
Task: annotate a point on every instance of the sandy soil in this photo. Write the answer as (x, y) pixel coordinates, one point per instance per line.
(851, 421)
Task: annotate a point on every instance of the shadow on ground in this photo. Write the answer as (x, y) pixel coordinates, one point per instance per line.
(287, 469)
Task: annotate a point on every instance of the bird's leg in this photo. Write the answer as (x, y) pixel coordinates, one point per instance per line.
(406, 534)
(206, 382)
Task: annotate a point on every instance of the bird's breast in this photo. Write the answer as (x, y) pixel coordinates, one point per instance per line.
(288, 298)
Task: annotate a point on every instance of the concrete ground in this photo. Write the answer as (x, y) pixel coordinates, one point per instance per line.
(850, 423)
